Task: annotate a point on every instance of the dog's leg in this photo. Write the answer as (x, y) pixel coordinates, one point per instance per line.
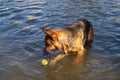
(81, 50)
(80, 55)
(57, 58)
(66, 50)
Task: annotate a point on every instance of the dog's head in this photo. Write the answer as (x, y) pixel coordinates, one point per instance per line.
(51, 41)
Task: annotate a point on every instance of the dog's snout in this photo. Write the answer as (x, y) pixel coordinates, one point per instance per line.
(48, 51)
(44, 53)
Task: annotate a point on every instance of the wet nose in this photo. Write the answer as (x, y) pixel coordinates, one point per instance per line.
(46, 51)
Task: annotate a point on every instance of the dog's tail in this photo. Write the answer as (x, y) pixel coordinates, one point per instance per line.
(90, 35)
(89, 31)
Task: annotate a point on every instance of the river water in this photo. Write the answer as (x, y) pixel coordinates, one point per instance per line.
(21, 40)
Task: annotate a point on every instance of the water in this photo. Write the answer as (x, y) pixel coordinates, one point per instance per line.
(21, 40)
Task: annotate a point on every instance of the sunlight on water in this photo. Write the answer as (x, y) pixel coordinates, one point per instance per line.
(22, 41)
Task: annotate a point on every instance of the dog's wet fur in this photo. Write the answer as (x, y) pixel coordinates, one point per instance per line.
(70, 39)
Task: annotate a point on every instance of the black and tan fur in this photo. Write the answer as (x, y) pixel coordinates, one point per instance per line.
(70, 39)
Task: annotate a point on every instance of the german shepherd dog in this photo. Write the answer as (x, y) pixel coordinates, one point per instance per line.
(70, 39)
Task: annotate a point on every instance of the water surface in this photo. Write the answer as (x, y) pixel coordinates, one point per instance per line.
(21, 40)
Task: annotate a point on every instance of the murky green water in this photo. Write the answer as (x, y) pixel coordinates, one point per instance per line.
(21, 40)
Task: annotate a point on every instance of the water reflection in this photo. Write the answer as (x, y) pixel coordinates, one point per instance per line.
(71, 70)
(70, 67)
(21, 40)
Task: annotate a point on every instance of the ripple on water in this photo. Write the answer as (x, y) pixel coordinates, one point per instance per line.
(26, 31)
(17, 10)
(17, 17)
(3, 14)
(21, 41)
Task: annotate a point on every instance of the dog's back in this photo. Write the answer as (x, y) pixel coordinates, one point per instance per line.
(72, 38)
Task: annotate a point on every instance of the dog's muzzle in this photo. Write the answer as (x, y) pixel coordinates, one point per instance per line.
(48, 51)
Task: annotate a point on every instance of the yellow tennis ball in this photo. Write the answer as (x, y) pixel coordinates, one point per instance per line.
(44, 62)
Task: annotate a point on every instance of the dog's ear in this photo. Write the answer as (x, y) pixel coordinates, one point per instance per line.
(45, 30)
(49, 33)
